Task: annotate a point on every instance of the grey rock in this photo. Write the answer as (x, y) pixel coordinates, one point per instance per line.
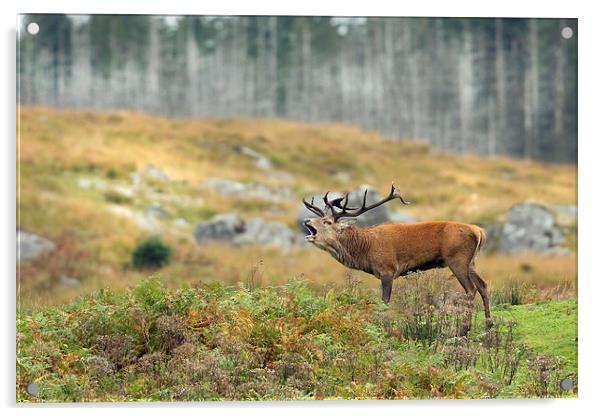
(136, 178)
(252, 190)
(343, 177)
(154, 173)
(566, 215)
(259, 160)
(68, 281)
(180, 223)
(231, 228)
(280, 176)
(397, 215)
(258, 231)
(143, 221)
(157, 211)
(30, 245)
(531, 227)
(376, 216)
(222, 227)
(91, 183)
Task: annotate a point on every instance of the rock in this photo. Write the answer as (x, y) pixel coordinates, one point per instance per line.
(343, 177)
(280, 176)
(180, 223)
(123, 191)
(397, 215)
(258, 231)
(222, 227)
(144, 222)
(157, 211)
(224, 186)
(232, 229)
(68, 281)
(252, 190)
(531, 227)
(30, 245)
(259, 160)
(566, 215)
(154, 173)
(136, 178)
(376, 216)
(91, 183)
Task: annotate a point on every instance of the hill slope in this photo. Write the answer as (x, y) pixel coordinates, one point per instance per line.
(77, 186)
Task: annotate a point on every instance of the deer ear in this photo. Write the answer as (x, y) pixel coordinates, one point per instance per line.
(346, 223)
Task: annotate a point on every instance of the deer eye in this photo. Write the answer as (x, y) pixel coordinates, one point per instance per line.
(327, 222)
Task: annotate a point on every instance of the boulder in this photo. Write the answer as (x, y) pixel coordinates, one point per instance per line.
(258, 231)
(231, 228)
(222, 227)
(376, 216)
(30, 245)
(531, 227)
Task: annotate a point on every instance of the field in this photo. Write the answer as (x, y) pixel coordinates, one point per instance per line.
(289, 343)
(304, 325)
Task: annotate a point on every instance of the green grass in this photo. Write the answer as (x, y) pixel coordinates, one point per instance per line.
(210, 342)
(547, 327)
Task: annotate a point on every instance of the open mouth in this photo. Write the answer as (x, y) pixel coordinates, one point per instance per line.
(312, 233)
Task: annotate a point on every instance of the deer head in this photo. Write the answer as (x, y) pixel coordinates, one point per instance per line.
(325, 230)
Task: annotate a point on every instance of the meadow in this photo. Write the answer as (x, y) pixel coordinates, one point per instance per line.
(275, 325)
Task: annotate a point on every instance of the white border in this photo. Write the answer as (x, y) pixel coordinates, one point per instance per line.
(590, 95)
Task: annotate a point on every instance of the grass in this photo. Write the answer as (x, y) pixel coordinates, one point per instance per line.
(251, 322)
(59, 148)
(547, 327)
(211, 342)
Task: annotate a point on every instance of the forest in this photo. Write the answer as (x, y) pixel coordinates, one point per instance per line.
(486, 86)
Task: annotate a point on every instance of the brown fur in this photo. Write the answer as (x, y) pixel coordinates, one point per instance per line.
(390, 250)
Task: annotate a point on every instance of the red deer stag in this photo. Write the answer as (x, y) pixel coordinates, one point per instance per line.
(392, 249)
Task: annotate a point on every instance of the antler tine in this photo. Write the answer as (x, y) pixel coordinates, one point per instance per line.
(329, 204)
(346, 201)
(399, 196)
(310, 206)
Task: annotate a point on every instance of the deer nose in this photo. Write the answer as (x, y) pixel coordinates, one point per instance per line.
(306, 222)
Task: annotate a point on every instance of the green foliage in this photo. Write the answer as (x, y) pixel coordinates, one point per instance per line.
(275, 343)
(151, 253)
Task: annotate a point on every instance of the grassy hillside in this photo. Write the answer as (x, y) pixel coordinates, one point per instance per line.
(287, 342)
(59, 151)
(223, 323)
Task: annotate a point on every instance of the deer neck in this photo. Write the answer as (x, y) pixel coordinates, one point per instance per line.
(351, 247)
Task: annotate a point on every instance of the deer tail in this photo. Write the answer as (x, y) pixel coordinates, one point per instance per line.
(481, 240)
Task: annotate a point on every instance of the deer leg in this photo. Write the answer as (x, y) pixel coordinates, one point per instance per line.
(462, 274)
(482, 288)
(386, 285)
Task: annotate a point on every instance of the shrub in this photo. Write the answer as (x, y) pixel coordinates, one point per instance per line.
(151, 253)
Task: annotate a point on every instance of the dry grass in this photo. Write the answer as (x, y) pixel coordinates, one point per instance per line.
(58, 147)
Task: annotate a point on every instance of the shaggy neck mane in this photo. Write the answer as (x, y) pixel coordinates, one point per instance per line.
(351, 248)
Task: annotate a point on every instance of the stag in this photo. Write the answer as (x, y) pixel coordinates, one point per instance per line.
(390, 250)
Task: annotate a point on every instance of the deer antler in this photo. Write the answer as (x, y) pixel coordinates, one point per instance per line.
(341, 203)
(310, 206)
(345, 211)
